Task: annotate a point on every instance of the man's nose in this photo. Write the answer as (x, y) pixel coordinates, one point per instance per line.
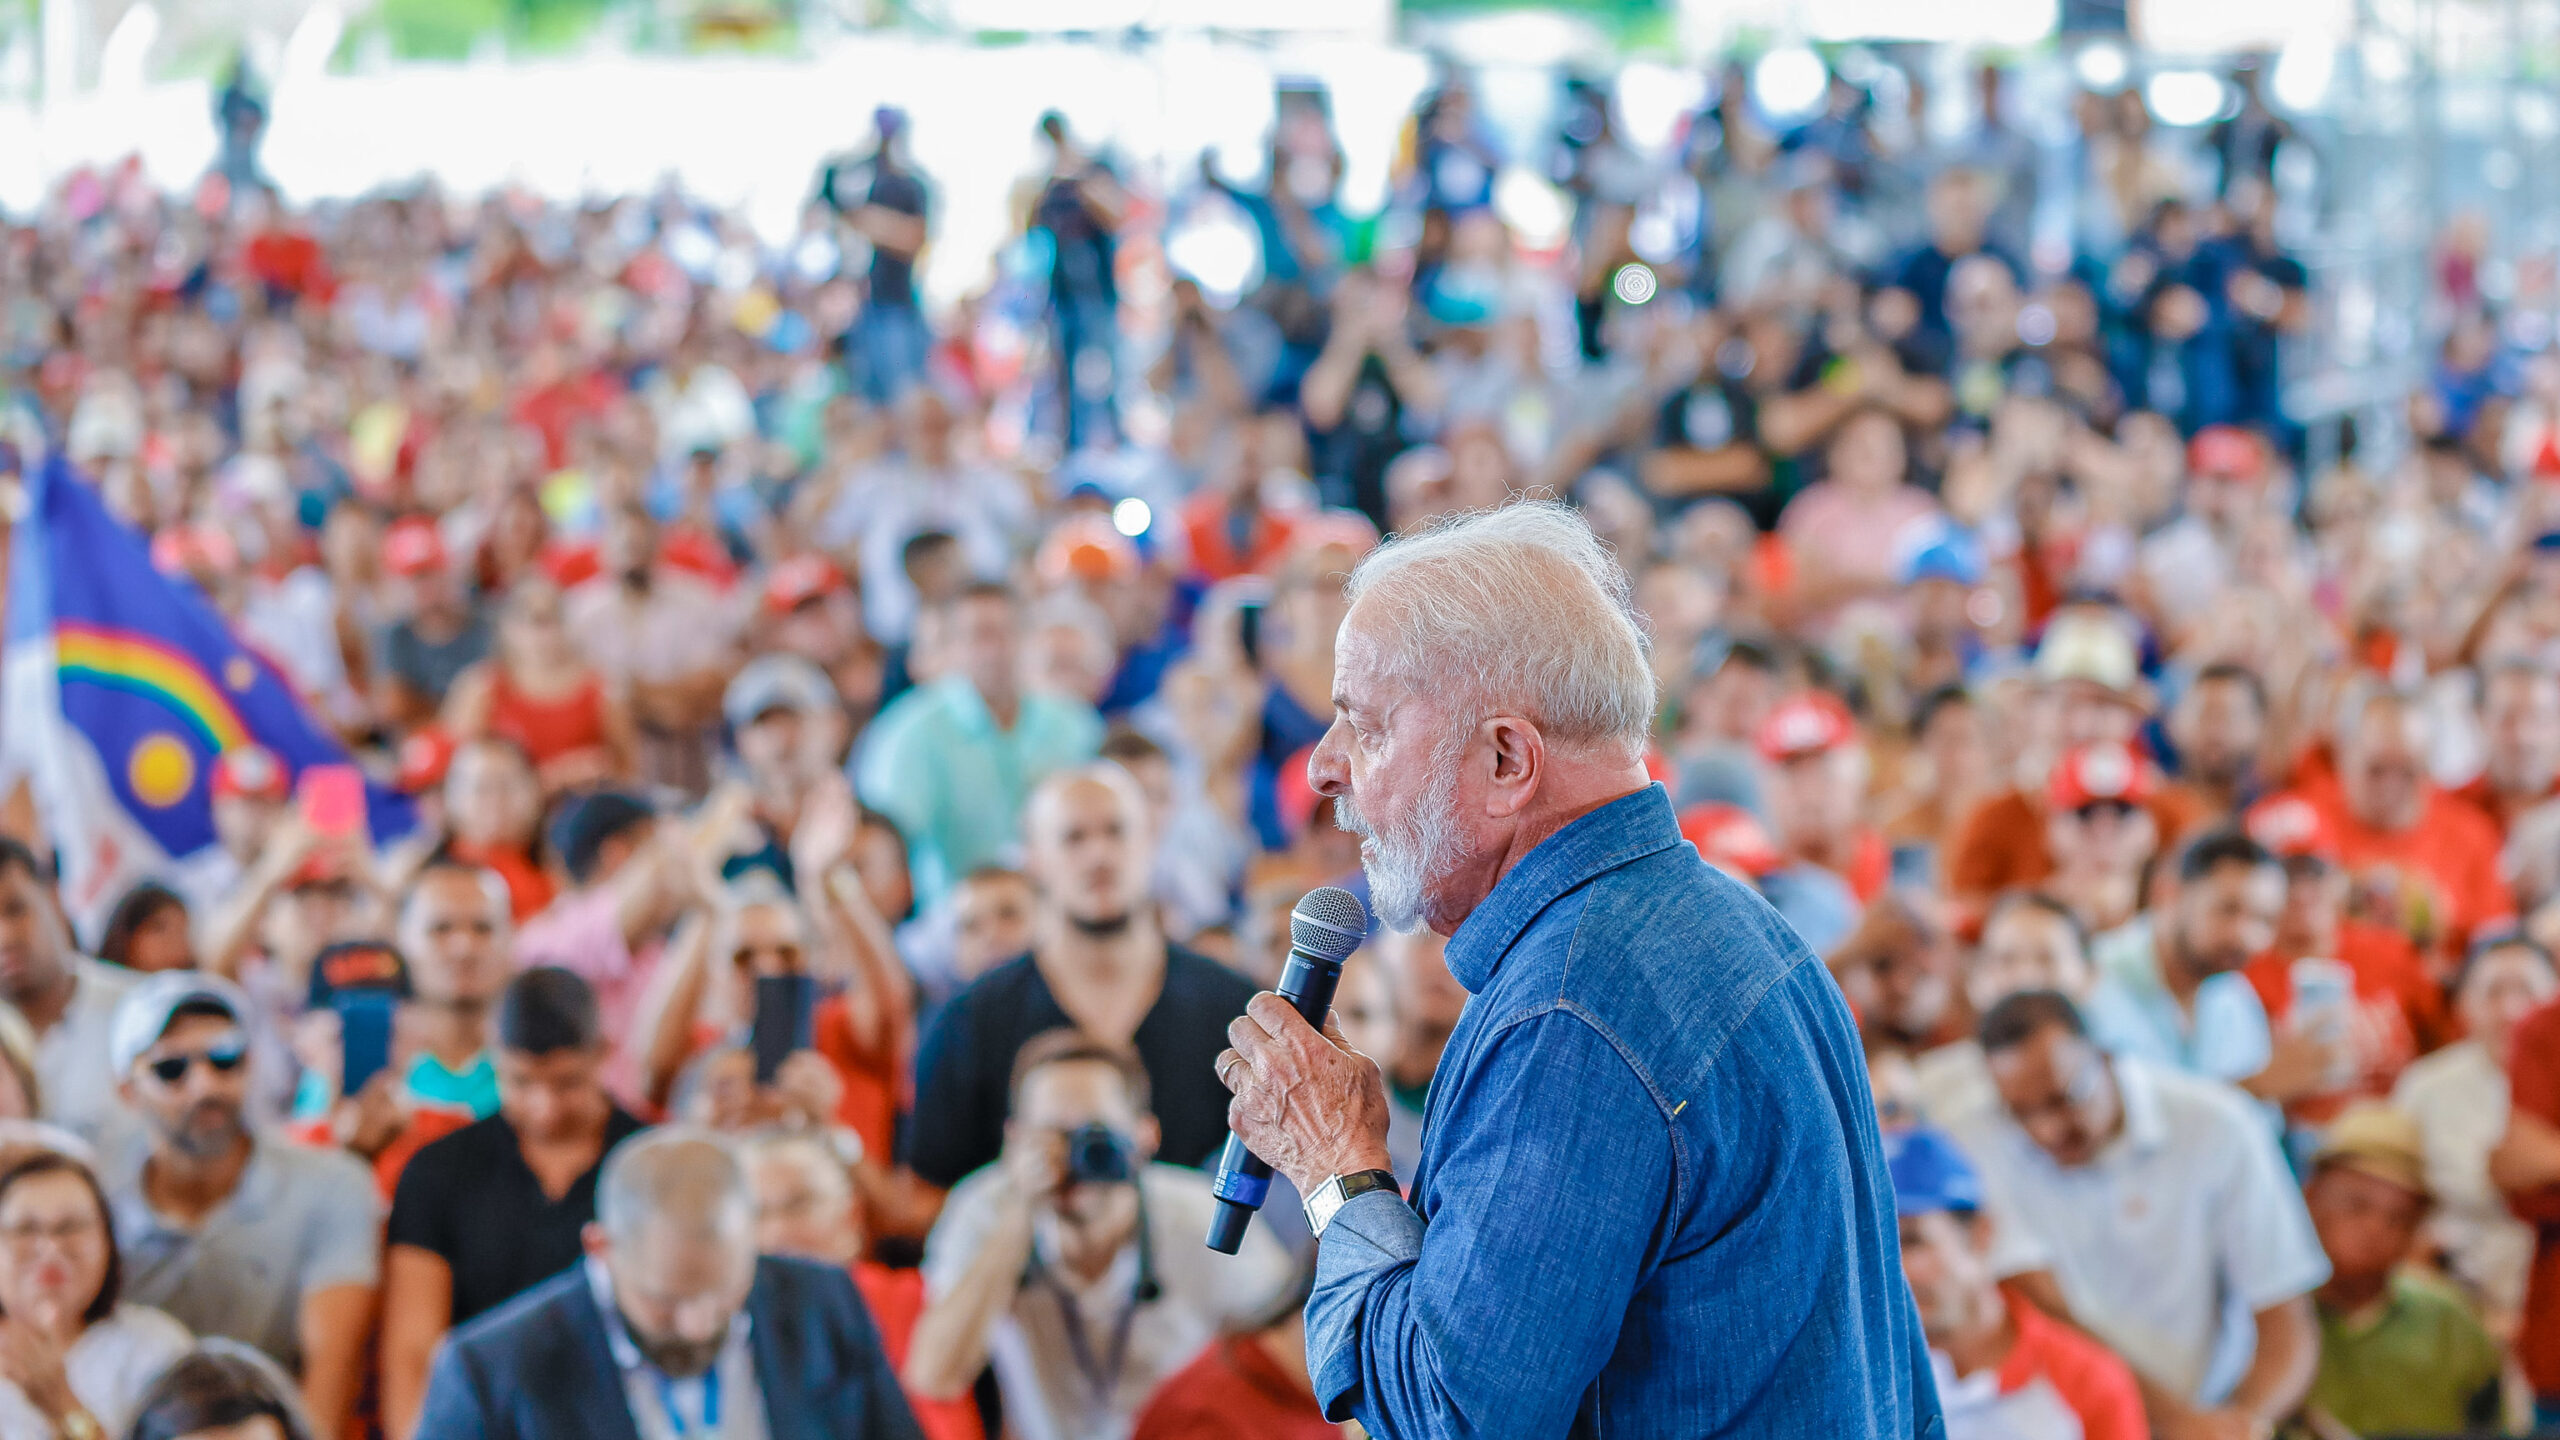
(1327, 772)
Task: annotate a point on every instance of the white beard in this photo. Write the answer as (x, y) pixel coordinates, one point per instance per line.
(1400, 866)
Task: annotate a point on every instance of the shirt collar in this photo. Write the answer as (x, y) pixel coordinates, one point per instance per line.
(966, 708)
(2145, 1127)
(1621, 832)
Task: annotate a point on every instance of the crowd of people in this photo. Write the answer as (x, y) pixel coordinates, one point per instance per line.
(860, 765)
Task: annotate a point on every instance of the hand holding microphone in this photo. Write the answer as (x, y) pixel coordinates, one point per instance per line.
(1307, 1104)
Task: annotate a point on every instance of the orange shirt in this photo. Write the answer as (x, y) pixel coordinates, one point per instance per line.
(2436, 882)
(2399, 1012)
(2001, 846)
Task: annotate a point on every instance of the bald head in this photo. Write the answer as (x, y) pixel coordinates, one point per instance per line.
(1087, 846)
(686, 1179)
(676, 1231)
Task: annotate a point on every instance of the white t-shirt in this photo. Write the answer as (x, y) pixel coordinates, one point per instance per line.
(109, 1367)
(2177, 1233)
(1049, 1392)
(2458, 1096)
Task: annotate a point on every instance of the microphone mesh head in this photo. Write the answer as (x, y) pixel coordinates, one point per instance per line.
(1329, 922)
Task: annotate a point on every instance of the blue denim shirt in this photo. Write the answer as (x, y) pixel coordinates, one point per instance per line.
(1651, 1200)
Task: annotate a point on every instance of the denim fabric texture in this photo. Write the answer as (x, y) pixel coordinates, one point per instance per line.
(1651, 1200)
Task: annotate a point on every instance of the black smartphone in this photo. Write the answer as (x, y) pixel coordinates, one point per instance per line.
(1249, 631)
(786, 1014)
(364, 1036)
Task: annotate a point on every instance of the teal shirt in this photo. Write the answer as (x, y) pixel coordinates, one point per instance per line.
(936, 763)
(472, 1089)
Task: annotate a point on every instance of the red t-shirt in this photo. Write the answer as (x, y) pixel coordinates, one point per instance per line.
(1214, 555)
(2533, 1078)
(895, 1298)
(2399, 1013)
(2436, 882)
(530, 889)
(1233, 1391)
(873, 1080)
(2088, 1377)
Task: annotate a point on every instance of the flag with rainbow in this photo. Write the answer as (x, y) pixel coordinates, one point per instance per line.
(122, 685)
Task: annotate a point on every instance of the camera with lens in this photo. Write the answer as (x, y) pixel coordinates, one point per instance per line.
(1099, 1155)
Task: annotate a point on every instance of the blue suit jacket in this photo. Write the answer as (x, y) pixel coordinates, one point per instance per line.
(539, 1367)
(1652, 1204)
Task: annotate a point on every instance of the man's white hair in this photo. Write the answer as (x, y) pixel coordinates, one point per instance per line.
(1520, 610)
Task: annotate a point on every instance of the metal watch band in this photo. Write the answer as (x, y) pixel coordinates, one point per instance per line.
(1333, 1194)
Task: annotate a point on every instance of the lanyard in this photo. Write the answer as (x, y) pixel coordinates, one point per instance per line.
(1102, 1373)
(710, 1401)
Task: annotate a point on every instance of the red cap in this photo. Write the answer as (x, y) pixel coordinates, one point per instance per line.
(1806, 724)
(424, 757)
(1731, 839)
(797, 581)
(2093, 773)
(1086, 547)
(413, 547)
(2227, 451)
(249, 772)
(2292, 827)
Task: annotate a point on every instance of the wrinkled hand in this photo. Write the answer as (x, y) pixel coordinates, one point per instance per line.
(31, 1360)
(1309, 1104)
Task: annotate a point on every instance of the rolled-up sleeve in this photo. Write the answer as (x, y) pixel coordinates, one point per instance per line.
(1553, 1183)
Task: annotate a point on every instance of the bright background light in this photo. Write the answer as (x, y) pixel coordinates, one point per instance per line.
(2184, 97)
(1789, 81)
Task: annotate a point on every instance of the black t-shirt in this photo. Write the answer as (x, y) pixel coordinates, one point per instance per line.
(470, 1199)
(893, 277)
(965, 1071)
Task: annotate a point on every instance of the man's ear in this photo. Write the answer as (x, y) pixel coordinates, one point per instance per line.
(593, 1240)
(1519, 763)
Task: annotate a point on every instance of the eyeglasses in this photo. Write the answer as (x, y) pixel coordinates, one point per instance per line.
(27, 1234)
(223, 1055)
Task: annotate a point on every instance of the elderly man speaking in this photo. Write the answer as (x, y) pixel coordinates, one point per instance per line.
(1651, 1200)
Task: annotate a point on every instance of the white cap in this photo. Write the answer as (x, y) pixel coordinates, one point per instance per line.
(147, 1009)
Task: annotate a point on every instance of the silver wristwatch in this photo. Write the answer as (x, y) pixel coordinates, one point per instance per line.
(1333, 1194)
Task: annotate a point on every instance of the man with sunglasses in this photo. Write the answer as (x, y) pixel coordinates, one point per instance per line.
(236, 1234)
(2168, 1214)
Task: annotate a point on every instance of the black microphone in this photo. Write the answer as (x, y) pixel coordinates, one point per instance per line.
(1323, 931)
